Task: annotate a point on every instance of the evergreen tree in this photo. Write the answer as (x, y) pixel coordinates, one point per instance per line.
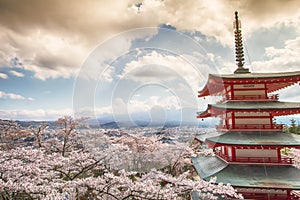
(293, 127)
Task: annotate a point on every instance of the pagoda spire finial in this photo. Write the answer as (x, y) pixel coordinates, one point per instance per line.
(239, 53)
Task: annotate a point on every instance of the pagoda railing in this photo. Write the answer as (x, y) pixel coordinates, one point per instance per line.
(295, 194)
(272, 97)
(223, 156)
(275, 127)
(265, 196)
(282, 160)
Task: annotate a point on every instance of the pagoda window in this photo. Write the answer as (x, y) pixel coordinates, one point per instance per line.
(258, 121)
(256, 153)
(249, 94)
(250, 91)
(249, 86)
(252, 114)
(253, 120)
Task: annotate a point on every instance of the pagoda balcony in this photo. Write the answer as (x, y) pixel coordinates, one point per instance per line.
(283, 160)
(251, 127)
(272, 97)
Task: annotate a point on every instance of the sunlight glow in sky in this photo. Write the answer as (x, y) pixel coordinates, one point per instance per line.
(112, 58)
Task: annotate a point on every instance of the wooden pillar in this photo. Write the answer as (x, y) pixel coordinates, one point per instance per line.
(288, 194)
(232, 91)
(226, 92)
(233, 149)
(279, 153)
(233, 119)
(226, 120)
(271, 121)
(266, 91)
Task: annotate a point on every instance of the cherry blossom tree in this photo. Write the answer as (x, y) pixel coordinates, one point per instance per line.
(30, 173)
(295, 153)
(68, 133)
(38, 133)
(140, 154)
(11, 134)
(63, 166)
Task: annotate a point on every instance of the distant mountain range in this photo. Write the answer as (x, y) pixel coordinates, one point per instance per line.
(110, 123)
(170, 118)
(100, 123)
(96, 123)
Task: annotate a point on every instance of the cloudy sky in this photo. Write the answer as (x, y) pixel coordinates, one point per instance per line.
(134, 59)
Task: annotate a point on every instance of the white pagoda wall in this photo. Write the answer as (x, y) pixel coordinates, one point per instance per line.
(249, 90)
(252, 121)
(248, 118)
(249, 93)
(252, 114)
(256, 153)
(249, 86)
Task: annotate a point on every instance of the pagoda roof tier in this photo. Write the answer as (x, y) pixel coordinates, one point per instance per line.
(249, 176)
(276, 108)
(217, 83)
(254, 138)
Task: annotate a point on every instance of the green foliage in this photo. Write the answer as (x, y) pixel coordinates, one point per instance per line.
(293, 127)
(286, 151)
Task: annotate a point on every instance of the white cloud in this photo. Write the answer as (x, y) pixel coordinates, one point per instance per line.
(281, 60)
(39, 114)
(58, 48)
(97, 64)
(159, 67)
(291, 93)
(50, 43)
(94, 112)
(17, 74)
(214, 18)
(46, 55)
(120, 107)
(4, 95)
(168, 103)
(3, 76)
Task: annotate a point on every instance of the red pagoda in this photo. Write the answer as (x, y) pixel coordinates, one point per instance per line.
(248, 144)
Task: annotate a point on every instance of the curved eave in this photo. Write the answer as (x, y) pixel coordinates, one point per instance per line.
(254, 138)
(249, 176)
(204, 92)
(213, 86)
(204, 114)
(269, 177)
(214, 144)
(269, 76)
(274, 81)
(276, 108)
(274, 112)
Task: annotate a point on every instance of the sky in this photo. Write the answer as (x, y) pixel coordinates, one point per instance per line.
(134, 60)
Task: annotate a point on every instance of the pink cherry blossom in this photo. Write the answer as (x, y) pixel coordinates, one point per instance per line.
(87, 164)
